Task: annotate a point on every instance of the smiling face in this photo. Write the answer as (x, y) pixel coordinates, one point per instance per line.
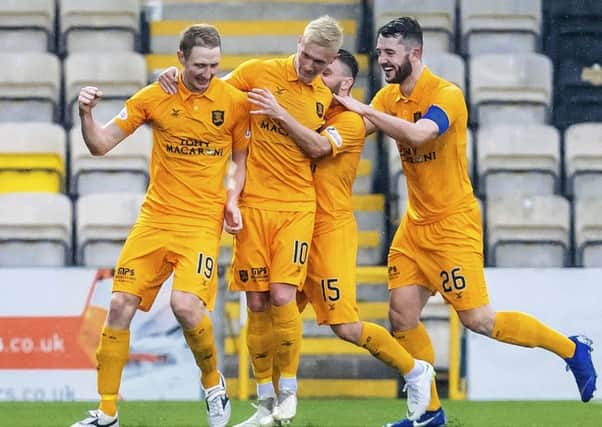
(312, 59)
(200, 67)
(394, 58)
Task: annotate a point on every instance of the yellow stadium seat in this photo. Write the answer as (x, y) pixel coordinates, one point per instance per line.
(32, 158)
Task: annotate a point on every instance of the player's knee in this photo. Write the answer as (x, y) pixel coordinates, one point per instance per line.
(258, 302)
(351, 332)
(402, 320)
(121, 310)
(282, 295)
(478, 322)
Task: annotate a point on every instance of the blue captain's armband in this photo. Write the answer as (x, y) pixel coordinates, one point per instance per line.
(437, 115)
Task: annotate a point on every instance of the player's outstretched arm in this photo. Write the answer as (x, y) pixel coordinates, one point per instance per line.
(415, 134)
(310, 142)
(236, 181)
(98, 138)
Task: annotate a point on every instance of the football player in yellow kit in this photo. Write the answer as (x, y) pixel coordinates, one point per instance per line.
(180, 223)
(438, 246)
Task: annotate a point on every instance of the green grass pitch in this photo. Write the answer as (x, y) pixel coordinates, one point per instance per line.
(314, 413)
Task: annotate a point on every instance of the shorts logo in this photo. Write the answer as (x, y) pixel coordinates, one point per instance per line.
(126, 274)
(217, 117)
(393, 273)
(320, 109)
(259, 274)
(244, 275)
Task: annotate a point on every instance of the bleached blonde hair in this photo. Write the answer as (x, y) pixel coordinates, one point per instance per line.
(324, 31)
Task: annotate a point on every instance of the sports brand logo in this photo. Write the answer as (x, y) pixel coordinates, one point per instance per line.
(217, 117)
(175, 112)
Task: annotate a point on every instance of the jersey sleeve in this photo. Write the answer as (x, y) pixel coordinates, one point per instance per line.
(346, 132)
(135, 112)
(447, 106)
(379, 101)
(242, 77)
(241, 133)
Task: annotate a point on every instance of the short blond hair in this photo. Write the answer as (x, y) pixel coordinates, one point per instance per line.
(324, 31)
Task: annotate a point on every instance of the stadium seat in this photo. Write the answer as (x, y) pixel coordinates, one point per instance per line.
(32, 157)
(123, 169)
(574, 30)
(449, 66)
(102, 25)
(35, 230)
(119, 75)
(588, 232)
(521, 232)
(578, 91)
(26, 25)
(103, 223)
(583, 160)
(224, 10)
(248, 37)
(436, 17)
(493, 26)
(29, 87)
(510, 88)
(518, 160)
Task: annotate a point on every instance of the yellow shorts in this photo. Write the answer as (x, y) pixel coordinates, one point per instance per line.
(151, 254)
(272, 247)
(331, 277)
(445, 257)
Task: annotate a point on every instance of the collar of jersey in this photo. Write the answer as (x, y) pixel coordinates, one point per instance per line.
(186, 93)
(422, 85)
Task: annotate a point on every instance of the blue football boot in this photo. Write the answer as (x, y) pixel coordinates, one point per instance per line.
(428, 419)
(582, 367)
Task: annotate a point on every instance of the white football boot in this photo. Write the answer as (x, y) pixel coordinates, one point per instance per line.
(286, 407)
(262, 416)
(218, 404)
(419, 391)
(98, 418)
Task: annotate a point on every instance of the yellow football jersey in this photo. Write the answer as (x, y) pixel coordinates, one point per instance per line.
(193, 137)
(334, 175)
(278, 173)
(436, 172)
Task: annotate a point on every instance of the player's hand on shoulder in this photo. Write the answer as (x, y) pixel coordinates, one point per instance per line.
(88, 98)
(232, 219)
(168, 80)
(351, 103)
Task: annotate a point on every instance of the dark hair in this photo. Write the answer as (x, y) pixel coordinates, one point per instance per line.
(349, 60)
(203, 35)
(404, 28)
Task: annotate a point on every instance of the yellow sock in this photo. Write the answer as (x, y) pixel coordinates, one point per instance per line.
(111, 357)
(286, 322)
(379, 342)
(201, 343)
(522, 329)
(418, 343)
(260, 341)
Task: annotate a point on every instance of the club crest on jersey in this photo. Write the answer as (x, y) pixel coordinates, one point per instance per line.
(417, 116)
(217, 117)
(244, 275)
(320, 109)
